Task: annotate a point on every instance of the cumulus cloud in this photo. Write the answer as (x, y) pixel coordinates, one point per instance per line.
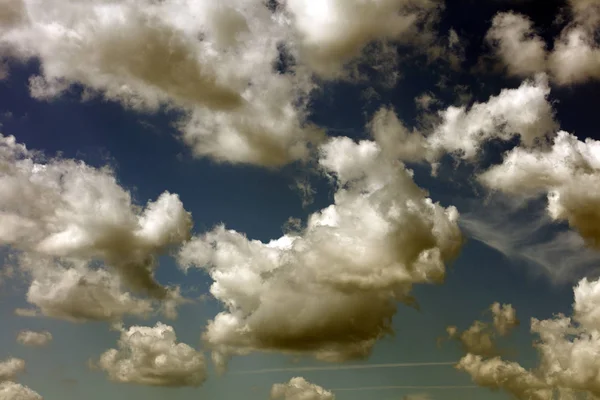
(505, 318)
(568, 347)
(152, 356)
(10, 368)
(331, 290)
(64, 216)
(575, 57)
(16, 391)
(515, 42)
(299, 389)
(524, 112)
(34, 339)
(478, 339)
(567, 173)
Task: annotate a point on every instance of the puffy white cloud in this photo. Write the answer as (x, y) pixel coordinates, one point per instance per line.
(505, 318)
(10, 368)
(515, 42)
(567, 172)
(331, 289)
(63, 217)
(576, 57)
(152, 356)
(16, 391)
(568, 347)
(299, 389)
(333, 32)
(478, 339)
(35, 339)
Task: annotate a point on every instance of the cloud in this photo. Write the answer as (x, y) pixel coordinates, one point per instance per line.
(299, 389)
(16, 391)
(331, 290)
(478, 339)
(26, 312)
(505, 318)
(515, 42)
(34, 339)
(568, 348)
(66, 213)
(10, 368)
(567, 173)
(152, 356)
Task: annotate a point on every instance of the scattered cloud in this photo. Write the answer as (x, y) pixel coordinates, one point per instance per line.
(34, 339)
(299, 389)
(10, 368)
(16, 391)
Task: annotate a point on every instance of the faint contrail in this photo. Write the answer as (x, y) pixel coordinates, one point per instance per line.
(403, 387)
(345, 367)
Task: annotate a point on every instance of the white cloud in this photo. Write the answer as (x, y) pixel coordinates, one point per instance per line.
(515, 42)
(505, 318)
(569, 348)
(10, 368)
(16, 391)
(35, 339)
(576, 57)
(567, 172)
(152, 356)
(67, 213)
(299, 389)
(478, 339)
(330, 290)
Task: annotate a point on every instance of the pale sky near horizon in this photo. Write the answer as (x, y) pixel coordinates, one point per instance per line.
(299, 199)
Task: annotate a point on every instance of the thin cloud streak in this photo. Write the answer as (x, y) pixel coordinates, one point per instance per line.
(404, 387)
(346, 367)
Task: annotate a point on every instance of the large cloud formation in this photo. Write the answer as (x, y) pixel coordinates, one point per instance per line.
(63, 217)
(575, 57)
(241, 71)
(299, 389)
(568, 347)
(152, 356)
(331, 289)
(567, 172)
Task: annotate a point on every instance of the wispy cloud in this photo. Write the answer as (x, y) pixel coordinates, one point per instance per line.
(346, 367)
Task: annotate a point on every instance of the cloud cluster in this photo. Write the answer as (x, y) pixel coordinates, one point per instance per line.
(568, 347)
(63, 218)
(299, 389)
(567, 173)
(152, 356)
(575, 57)
(34, 339)
(9, 390)
(524, 112)
(331, 289)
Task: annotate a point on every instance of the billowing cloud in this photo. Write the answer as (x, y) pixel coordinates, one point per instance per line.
(567, 173)
(575, 57)
(16, 391)
(478, 339)
(10, 368)
(65, 212)
(333, 32)
(515, 42)
(299, 389)
(34, 339)
(568, 347)
(152, 356)
(331, 289)
(524, 112)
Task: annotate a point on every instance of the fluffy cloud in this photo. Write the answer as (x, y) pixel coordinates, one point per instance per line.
(63, 216)
(568, 347)
(567, 172)
(16, 391)
(505, 318)
(516, 43)
(478, 339)
(524, 112)
(333, 32)
(10, 368)
(575, 57)
(299, 389)
(331, 289)
(35, 339)
(152, 356)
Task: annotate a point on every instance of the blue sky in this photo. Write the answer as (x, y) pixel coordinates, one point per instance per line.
(233, 135)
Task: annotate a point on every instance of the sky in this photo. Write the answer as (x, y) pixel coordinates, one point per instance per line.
(299, 199)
